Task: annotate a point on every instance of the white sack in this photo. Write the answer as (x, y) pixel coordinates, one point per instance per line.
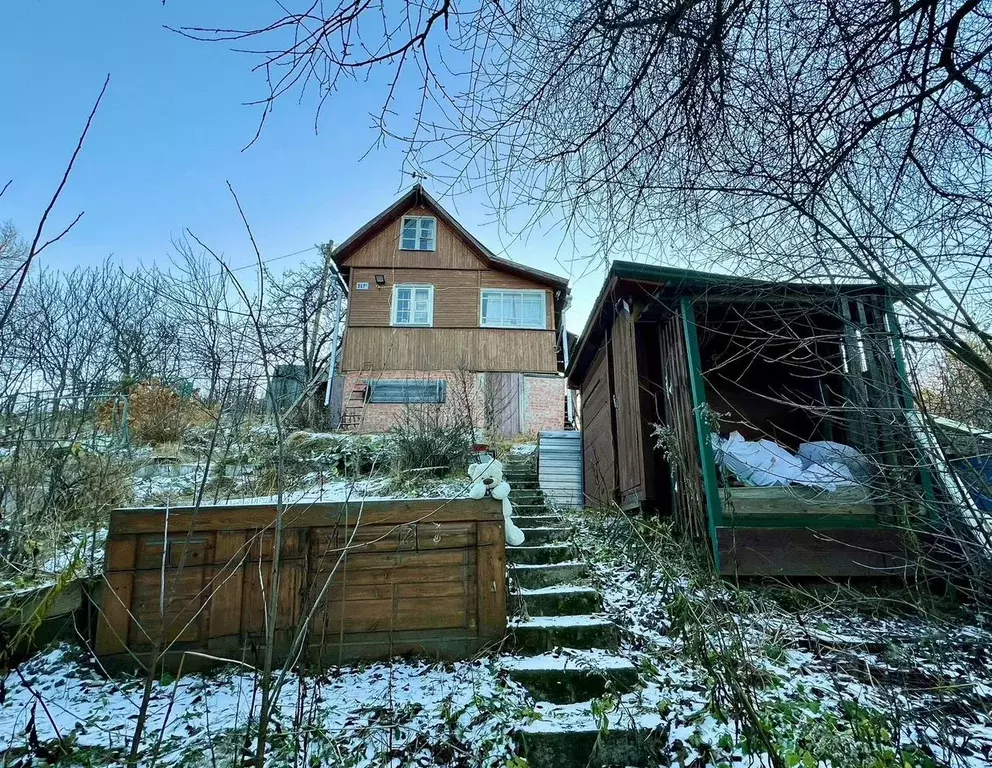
(827, 452)
(762, 463)
(828, 477)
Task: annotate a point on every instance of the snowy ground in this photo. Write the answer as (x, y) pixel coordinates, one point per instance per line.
(832, 683)
(390, 714)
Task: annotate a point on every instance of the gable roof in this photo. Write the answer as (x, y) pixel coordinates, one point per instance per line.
(419, 196)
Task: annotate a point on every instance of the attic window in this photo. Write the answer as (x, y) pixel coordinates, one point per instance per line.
(419, 233)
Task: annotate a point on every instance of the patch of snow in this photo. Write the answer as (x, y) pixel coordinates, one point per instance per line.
(569, 659)
(84, 550)
(529, 567)
(557, 589)
(551, 622)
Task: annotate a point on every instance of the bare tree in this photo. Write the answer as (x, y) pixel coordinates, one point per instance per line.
(786, 138)
(141, 337)
(63, 323)
(300, 326)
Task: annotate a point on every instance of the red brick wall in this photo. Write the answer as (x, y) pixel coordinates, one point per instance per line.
(544, 403)
(464, 396)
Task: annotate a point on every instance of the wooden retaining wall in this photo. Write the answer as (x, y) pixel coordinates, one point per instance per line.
(374, 580)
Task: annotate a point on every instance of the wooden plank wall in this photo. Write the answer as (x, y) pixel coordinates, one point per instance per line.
(688, 500)
(627, 406)
(375, 580)
(829, 553)
(383, 249)
(450, 349)
(598, 459)
(456, 341)
(457, 294)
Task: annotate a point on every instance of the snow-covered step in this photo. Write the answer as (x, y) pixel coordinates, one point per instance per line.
(535, 576)
(545, 633)
(568, 736)
(542, 554)
(535, 536)
(528, 499)
(536, 521)
(560, 600)
(572, 675)
(525, 510)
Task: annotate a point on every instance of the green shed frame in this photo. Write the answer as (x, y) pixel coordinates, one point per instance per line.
(670, 355)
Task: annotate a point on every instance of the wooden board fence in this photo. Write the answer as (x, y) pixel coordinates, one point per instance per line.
(355, 581)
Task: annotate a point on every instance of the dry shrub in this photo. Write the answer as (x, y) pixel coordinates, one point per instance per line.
(155, 414)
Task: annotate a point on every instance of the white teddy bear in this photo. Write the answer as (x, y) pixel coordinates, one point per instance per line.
(487, 477)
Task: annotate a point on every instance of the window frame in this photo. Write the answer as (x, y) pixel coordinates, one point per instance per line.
(544, 309)
(394, 303)
(417, 248)
(440, 387)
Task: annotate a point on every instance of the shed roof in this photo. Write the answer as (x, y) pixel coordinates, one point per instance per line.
(673, 282)
(419, 196)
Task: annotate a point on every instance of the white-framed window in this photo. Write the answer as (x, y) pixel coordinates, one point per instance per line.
(419, 233)
(413, 305)
(513, 309)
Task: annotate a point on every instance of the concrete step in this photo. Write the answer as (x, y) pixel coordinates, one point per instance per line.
(579, 742)
(537, 576)
(526, 496)
(537, 521)
(545, 633)
(542, 554)
(518, 487)
(571, 675)
(527, 510)
(562, 600)
(535, 536)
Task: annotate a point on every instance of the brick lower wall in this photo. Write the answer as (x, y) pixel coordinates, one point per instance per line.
(544, 403)
(463, 400)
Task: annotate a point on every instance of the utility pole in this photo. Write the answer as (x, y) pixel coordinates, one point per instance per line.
(332, 363)
(318, 315)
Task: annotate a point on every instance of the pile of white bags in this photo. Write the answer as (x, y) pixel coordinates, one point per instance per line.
(823, 464)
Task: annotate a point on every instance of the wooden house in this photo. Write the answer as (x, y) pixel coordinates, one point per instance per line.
(435, 317)
(670, 357)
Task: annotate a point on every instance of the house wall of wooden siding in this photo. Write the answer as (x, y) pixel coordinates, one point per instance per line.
(383, 249)
(448, 349)
(456, 340)
(598, 455)
(457, 294)
(420, 575)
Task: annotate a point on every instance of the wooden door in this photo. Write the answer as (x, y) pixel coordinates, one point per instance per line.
(627, 406)
(504, 393)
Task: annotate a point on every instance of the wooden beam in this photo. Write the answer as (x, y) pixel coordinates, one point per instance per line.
(303, 515)
(714, 508)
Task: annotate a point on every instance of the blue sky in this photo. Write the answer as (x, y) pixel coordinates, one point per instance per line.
(170, 133)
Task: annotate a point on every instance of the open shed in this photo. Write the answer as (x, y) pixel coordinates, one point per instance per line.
(671, 358)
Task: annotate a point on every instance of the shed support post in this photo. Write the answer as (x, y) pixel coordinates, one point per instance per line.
(909, 406)
(714, 507)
